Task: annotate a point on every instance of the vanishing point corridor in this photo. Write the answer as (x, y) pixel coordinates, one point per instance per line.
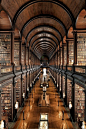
(32, 110)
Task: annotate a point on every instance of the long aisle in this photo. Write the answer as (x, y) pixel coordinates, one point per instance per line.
(32, 111)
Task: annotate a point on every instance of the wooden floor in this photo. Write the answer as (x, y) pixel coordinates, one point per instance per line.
(32, 112)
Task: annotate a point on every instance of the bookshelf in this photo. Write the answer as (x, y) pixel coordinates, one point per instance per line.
(81, 48)
(60, 82)
(6, 102)
(71, 52)
(63, 80)
(23, 55)
(16, 53)
(61, 56)
(24, 84)
(58, 58)
(18, 89)
(26, 56)
(5, 48)
(69, 91)
(27, 79)
(79, 102)
(65, 55)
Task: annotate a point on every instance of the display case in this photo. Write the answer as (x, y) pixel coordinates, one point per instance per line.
(5, 48)
(43, 124)
(6, 102)
(65, 54)
(71, 52)
(79, 102)
(23, 55)
(69, 91)
(81, 48)
(16, 53)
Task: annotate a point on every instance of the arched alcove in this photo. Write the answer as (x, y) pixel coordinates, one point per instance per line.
(81, 20)
(5, 21)
(70, 32)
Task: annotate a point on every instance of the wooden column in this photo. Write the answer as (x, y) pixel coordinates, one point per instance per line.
(62, 54)
(20, 52)
(12, 47)
(13, 99)
(67, 53)
(75, 47)
(28, 55)
(85, 106)
(73, 101)
(66, 88)
(0, 104)
(25, 55)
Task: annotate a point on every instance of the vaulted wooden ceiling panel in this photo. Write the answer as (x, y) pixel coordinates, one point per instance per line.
(43, 8)
(43, 40)
(44, 35)
(11, 6)
(5, 22)
(44, 29)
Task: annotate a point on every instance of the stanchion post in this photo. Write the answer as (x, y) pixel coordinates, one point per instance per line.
(23, 115)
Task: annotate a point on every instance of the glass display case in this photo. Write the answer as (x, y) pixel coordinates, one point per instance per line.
(43, 124)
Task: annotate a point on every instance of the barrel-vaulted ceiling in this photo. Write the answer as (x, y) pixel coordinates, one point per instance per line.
(43, 23)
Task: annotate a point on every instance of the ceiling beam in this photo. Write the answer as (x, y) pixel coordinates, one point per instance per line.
(27, 4)
(45, 39)
(48, 26)
(44, 16)
(43, 32)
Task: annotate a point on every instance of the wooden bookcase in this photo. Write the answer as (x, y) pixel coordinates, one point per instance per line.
(5, 48)
(60, 82)
(79, 102)
(24, 84)
(18, 89)
(63, 85)
(26, 56)
(58, 58)
(81, 48)
(23, 55)
(6, 102)
(69, 91)
(16, 53)
(65, 54)
(61, 55)
(71, 52)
